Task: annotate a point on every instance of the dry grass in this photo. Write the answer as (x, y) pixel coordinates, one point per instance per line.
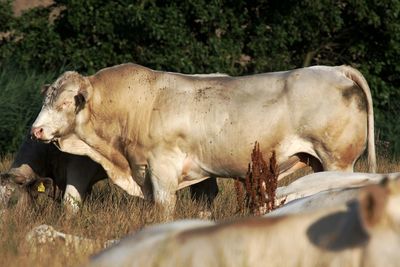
(108, 213)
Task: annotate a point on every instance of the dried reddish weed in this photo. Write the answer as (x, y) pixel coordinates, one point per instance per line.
(260, 184)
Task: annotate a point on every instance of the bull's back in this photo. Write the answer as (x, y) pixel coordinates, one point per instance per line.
(222, 117)
(260, 102)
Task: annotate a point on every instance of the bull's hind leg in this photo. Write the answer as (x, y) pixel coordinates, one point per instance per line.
(339, 159)
(342, 140)
(342, 155)
(337, 163)
(298, 162)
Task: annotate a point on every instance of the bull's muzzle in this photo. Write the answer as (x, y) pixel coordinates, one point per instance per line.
(37, 133)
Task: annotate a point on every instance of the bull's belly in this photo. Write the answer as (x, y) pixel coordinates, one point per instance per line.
(234, 161)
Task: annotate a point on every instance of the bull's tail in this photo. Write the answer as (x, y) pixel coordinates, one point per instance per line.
(359, 79)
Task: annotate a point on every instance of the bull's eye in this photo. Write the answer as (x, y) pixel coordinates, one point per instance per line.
(63, 105)
(67, 103)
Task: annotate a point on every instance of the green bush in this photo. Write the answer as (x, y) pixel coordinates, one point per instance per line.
(234, 37)
(20, 101)
(5, 16)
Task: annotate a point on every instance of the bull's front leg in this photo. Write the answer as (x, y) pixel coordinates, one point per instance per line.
(120, 175)
(163, 171)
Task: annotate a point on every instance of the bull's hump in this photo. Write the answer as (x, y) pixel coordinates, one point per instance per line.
(122, 74)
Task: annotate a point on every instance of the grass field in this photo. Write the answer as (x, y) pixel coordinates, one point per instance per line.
(108, 213)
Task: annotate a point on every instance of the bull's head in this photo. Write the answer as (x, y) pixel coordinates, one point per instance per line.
(63, 100)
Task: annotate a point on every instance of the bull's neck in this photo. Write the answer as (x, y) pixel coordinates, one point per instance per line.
(122, 112)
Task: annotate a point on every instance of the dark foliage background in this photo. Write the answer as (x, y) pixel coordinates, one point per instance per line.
(235, 37)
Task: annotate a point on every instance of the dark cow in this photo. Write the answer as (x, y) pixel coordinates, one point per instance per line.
(73, 175)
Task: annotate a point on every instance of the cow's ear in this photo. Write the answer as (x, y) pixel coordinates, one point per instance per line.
(44, 89)
(42, 185)
(372, 204)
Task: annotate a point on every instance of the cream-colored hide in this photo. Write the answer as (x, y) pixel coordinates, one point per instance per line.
(185, 128)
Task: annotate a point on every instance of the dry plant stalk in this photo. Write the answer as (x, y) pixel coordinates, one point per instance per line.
(260, 184)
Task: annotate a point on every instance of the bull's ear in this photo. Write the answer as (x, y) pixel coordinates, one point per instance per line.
(85, 88)
(83, 95)
(372, 203)
(44, 89)
(80, 102)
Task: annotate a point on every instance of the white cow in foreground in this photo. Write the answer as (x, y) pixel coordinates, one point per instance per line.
(324, 181)
(324, 190)
(362, 232)
(185, 128)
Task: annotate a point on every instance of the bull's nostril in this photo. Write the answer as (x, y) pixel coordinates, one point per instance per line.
(36, 132)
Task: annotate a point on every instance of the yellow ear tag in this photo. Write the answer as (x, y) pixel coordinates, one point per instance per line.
(41, 188)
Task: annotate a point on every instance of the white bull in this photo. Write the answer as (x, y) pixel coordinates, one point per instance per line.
(185, 128)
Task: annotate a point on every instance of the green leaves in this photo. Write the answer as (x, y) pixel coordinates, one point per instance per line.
(20, 101)
(235, 37)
